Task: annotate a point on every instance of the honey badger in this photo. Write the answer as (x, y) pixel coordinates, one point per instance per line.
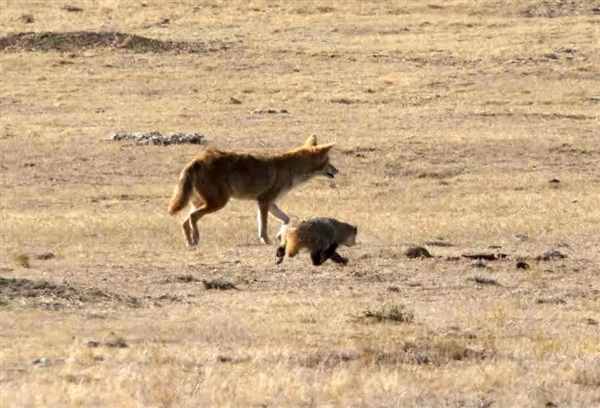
(321, 236)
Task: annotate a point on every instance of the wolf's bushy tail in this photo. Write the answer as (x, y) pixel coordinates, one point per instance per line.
(182, 192)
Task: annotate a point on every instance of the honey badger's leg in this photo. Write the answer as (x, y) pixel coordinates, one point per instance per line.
(280, 254)
(316, 257)
(331, 253)
(337, 258)
(326, 254)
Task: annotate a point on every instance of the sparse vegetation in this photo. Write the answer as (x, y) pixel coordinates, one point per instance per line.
(482, 280)
(22, 260)
(390, 313)
(219, 283)
(470, 123)
(187, 278)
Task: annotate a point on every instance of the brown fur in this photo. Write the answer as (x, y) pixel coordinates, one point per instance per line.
(321, 236)
(214, 176)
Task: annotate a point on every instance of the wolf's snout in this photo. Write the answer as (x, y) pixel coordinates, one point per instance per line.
(331, 171)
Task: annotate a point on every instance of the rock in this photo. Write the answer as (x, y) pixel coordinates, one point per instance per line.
(72, 9)
(156, 138)
(117, 343)
(27, 18)
(485, 256)
(550, 255)
(521, 237)
(417, 252)
(45, 256)
(442, 244)
(269, 111)
(219, 283)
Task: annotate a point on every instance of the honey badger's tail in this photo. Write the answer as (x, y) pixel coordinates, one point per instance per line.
(182, 192)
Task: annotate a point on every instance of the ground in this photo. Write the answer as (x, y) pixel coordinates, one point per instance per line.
(465, 127)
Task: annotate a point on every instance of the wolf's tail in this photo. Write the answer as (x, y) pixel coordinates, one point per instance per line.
(182, 192)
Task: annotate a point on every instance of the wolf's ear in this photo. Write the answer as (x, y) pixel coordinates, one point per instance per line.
(311, 141)
(324, 148)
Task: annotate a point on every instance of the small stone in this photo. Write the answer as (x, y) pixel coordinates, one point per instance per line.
(72, 9)
(522, 265)
(417, 252)
(41, 362)
(551, 254)
(45, 256)
(27, 18)
(117, 343)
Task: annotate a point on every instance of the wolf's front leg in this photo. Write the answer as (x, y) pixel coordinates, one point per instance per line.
(285, 220)
(262, 216)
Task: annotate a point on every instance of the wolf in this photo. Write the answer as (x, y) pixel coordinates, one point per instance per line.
(215, 176)
(321, 236)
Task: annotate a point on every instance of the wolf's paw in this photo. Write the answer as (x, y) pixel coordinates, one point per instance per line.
(281, 231)
(265, 240)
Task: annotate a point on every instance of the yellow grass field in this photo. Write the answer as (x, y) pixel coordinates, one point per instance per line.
(463, 126)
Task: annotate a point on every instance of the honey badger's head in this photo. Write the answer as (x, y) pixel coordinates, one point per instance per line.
(350, 234)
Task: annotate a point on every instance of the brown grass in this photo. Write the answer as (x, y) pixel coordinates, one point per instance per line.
(450, 119)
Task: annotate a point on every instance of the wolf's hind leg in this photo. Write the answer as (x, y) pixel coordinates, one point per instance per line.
(186, 226)
(206, 208)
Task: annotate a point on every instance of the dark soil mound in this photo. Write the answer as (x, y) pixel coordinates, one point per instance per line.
(85, 40)
(13, 288)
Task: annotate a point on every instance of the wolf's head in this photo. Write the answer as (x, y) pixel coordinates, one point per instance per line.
(320, 154)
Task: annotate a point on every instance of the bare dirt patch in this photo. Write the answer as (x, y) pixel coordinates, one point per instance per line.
(85, 40)
(14, 288)
(559, 8)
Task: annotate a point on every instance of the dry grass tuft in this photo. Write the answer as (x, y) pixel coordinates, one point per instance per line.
(389, 313)
(482, 280)
(22, 260)
(219, 283)
(588, 375)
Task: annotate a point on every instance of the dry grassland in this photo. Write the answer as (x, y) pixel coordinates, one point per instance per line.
(450, 117)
